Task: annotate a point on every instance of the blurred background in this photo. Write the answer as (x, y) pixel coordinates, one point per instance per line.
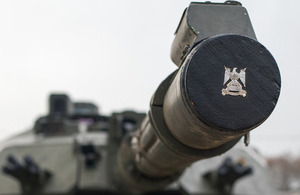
(115, 54)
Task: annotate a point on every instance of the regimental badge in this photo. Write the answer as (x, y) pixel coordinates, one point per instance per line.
(237, 82)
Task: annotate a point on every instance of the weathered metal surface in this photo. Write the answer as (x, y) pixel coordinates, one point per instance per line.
(203, 20)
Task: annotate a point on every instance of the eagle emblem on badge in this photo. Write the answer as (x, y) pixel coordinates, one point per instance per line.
(237, 80)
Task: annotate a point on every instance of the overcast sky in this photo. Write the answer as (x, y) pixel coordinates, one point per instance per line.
(115, 53)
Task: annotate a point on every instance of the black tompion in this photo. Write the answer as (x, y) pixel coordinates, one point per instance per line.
(203, 80)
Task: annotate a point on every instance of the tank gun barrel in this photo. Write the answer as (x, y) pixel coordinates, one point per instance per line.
(225, 86)
(195, 120)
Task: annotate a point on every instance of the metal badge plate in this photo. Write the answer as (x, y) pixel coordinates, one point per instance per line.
(237, 82)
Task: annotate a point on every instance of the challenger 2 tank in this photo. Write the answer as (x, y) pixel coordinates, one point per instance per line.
(226, 84)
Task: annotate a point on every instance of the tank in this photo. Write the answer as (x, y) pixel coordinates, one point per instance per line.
(193, 139)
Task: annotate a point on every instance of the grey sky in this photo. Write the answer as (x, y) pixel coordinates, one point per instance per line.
(115, 53)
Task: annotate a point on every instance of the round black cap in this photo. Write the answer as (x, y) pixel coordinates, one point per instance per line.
(231, 82)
